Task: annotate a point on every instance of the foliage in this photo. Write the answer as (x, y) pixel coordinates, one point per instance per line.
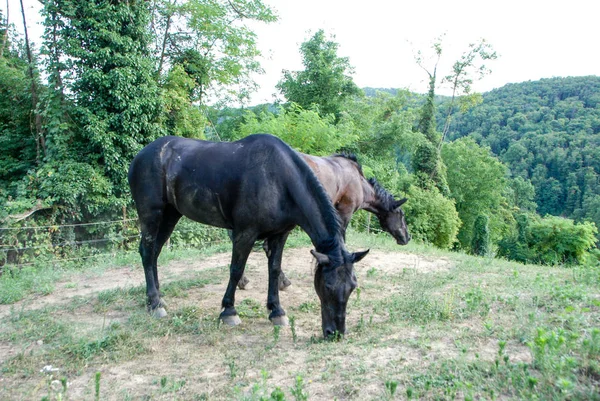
(18, 150)
(325, 81)
(304, 130)
(556, 240)
(550, 240)
(477, 184)
(431, 217)
(212, 42)
(548, 133)
(182, 117)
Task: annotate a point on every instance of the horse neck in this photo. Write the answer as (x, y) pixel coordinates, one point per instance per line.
(371, 202)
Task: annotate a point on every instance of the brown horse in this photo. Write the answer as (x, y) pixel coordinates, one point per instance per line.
(342, 178)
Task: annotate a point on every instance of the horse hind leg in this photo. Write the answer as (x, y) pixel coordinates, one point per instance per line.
(277, 315)
(170, 219)
(149, 254)
(156, 226)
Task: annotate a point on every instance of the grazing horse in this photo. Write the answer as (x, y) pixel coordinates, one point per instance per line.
(342, 177)
(260, 189)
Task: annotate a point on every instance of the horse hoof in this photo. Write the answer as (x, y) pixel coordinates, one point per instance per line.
(280, 321)
(243, 283)
(231, 320)
(284, 285)
(158, 313)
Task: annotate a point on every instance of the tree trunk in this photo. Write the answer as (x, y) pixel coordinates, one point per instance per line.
(39, 138)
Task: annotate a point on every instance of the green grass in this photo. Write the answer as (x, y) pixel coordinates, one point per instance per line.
(480, 329)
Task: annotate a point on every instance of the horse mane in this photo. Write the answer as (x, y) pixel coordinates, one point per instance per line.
(331, 216)
(387, 199)
(352, 157)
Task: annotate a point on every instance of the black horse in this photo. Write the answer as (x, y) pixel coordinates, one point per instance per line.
(260, 189)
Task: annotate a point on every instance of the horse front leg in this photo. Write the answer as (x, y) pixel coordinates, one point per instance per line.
(276, 244)
(242, 246)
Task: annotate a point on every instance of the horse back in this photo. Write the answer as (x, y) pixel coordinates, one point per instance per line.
(342, 180)
(224, 184)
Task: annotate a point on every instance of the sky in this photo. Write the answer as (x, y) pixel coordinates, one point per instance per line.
(534, 39)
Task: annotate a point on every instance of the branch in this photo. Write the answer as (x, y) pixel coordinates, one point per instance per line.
(24, 215)
(238, 12)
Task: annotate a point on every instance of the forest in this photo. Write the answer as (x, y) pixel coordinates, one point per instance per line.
(512, 173)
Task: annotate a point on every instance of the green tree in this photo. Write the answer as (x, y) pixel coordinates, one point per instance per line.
(211, 40)
(102, 73)
(304, 130)
(480, 244)
(325, 81)
(477, 182)
(431, 217)
(18, 147)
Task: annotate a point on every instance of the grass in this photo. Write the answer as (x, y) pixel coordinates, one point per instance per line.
(479, 329)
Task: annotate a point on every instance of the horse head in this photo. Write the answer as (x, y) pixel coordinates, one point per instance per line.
(334, 282)
(392, 220)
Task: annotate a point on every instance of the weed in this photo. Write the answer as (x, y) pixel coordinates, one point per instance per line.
(298, 391)
(390, 388)
(293, 328)
(97, 385)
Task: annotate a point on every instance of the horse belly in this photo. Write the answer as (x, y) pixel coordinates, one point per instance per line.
(201, 205)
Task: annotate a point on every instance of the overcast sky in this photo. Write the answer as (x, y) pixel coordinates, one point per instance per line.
(534, 39)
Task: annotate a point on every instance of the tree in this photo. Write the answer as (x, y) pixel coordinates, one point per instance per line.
(477, 183)
(18, 147)
(100, 67)
(213, 44)
(325, 81)
(480, 244)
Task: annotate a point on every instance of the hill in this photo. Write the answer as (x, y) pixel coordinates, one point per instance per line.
(548, 132)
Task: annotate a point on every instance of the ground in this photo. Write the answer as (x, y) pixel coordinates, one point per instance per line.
(422, 325)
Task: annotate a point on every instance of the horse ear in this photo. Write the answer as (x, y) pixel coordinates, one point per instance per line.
(399, 203)
(322, 259)
(357, 256)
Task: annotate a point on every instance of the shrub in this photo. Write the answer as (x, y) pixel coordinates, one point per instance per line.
(431, 217)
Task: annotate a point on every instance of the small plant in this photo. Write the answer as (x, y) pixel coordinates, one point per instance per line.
(276, 331)
(298, 390)
(293, 328)
(233, 369)
(390, 387)
(97, 386)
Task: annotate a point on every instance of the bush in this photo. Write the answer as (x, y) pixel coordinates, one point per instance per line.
(550, 241)
(303, 130)
(431, 217)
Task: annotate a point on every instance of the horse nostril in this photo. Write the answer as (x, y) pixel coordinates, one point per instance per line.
(329, 333)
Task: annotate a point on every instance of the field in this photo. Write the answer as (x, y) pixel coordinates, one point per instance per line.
(424, 324)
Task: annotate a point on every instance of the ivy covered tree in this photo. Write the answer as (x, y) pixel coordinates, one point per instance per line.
(18, 147)
(326, 80)
(104, 85)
